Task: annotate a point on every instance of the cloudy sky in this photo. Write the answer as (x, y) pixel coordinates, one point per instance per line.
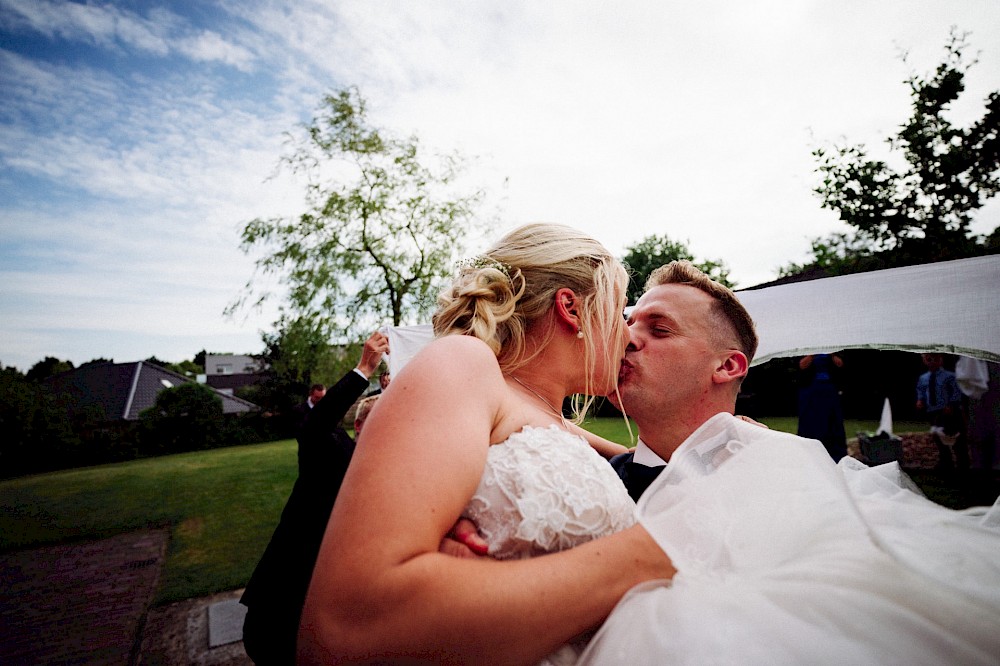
(137, 137)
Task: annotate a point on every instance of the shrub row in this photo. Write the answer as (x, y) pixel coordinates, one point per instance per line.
(40, 432)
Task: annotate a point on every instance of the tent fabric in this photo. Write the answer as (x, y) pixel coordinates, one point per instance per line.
(950, 307)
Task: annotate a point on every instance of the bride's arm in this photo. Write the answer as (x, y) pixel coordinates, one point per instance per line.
(382, 592)
(605, 447)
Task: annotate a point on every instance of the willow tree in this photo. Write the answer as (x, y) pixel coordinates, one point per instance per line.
(383, 226)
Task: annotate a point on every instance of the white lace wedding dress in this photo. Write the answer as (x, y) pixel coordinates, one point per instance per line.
(785, 558)
(545, 490)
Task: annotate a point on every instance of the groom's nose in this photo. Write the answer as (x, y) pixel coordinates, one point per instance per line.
(633, 340)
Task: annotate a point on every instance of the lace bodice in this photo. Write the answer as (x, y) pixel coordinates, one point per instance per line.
(544, 490)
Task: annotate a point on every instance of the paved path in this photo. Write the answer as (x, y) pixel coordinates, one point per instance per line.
(179, 634)
(89, 603)
(78, 603)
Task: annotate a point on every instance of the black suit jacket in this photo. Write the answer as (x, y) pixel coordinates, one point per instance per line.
(635, 477)
(298, 415)
(277, 589)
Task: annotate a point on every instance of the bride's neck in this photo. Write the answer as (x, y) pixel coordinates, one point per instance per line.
(543, 384)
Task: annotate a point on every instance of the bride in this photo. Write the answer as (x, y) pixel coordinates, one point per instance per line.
(473, 425)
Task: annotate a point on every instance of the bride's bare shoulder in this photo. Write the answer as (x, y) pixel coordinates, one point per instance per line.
(459, 354)
(464, 346)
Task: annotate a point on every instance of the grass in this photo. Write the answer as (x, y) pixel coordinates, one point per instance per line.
(851, 426)
(220, 506)
(615, 430)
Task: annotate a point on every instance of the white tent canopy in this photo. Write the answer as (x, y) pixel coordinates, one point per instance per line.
(951, 307)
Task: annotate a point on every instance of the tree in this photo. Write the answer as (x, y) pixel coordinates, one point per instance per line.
(654, 251)
(100, 360)
(46, 368)
(188, 417)
(296, 356)
(380, 230)
(37, 434)
(922, 212)
(186, 368)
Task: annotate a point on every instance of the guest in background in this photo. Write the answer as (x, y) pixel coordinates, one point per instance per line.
(939, 396)
(979, 382)
(301, 410)
(820, 414)
(277, 589)
(364, 408)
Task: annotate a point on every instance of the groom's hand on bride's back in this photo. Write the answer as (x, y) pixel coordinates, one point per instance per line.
(463, 540)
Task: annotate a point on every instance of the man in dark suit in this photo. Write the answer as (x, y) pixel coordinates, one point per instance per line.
(301, 410)
(637, 475)
(277, 589)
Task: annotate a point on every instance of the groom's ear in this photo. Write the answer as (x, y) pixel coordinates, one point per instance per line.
(732, 367)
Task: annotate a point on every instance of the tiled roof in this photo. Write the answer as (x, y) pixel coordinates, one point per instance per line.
(124, 390)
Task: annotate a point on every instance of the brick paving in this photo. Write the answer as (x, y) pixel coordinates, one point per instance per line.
(89, 603)
(79, 603)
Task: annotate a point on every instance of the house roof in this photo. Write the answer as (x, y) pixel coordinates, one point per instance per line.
(124, 390)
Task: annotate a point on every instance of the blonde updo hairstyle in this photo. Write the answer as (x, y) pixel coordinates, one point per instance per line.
(502, 294)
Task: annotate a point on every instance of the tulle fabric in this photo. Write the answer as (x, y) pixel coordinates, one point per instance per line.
(784, 557)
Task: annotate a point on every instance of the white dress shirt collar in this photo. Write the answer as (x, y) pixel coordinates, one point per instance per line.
(645, 456)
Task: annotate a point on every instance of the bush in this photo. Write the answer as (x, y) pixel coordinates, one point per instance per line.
(188, 417)
(36, 434)
(42, 431)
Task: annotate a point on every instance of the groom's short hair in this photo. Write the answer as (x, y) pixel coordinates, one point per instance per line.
(727, 308)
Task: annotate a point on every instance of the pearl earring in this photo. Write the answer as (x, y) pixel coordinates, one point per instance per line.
(579, 333)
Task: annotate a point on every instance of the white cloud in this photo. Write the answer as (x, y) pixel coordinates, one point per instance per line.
(102, 25)
(160, 34)
(652, 121)
(209, 46)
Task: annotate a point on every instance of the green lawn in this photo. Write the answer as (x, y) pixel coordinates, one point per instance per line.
(221, 506)
(851, 426)
(615, 430)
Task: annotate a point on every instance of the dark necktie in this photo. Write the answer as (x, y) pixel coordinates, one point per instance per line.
(638, 477)
(932, 391)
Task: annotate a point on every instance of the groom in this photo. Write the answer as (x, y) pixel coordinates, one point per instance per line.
(691, 343)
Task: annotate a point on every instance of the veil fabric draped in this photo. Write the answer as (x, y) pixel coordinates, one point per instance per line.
(785, 557)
